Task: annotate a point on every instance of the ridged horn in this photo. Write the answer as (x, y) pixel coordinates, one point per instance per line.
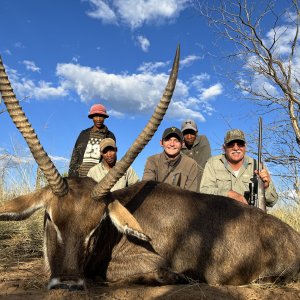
(58, 184)
(114, 174)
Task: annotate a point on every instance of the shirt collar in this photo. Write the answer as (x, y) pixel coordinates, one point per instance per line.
(172, 161)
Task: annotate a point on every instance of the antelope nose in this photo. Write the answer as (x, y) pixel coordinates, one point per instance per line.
(71, 285)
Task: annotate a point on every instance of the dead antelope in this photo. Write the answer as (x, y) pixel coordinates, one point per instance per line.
(149, 232)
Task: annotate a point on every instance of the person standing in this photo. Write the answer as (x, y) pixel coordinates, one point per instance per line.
(86, 152)
(231, 173)
(195, 146)
(171, 166)
(108, 150)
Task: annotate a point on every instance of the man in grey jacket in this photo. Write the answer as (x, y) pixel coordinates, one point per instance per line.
(171, 166)
(195, 146)
(230, 174)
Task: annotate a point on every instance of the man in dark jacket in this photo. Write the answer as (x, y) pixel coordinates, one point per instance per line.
(86, 152)
(171, 166)
(195, 146)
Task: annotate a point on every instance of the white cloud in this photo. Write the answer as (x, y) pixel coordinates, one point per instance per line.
(124, 94)
(181, 109)
(198, 80)
(19, 45)
(135, 13)
(27, 88)
(101, 10)
(143, 43)
(189, 60)
(150, 67)
(285, 36)
(30, 65)
(212, 92)
(136, 93)
(290, 16)
(43, 90)
(59, 159)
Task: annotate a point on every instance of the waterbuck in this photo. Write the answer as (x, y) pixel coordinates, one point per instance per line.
(150, 232)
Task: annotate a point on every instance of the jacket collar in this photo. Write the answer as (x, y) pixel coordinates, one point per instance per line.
(103, 129)
(172, 161)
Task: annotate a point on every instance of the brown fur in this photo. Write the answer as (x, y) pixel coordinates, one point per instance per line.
(206, 238)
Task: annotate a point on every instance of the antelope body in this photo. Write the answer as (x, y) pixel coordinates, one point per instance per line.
(186, 235)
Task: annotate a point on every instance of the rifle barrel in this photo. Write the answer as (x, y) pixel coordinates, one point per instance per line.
(261, 199)
(259, 143)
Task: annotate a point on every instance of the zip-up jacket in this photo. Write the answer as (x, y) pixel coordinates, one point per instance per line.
(200, 152)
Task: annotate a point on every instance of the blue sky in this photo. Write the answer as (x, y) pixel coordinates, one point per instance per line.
(64, 56)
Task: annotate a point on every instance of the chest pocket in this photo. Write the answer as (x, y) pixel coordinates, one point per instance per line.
(178, 179)
(245, 180)
(223, 179)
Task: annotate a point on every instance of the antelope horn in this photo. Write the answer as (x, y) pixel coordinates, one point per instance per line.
(114, 174)
(57, 183)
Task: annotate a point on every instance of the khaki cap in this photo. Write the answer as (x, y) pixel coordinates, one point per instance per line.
(107, 142)
(189, 124)
(233, 135)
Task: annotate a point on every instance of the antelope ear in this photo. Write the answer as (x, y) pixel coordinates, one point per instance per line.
(125, 221)
(22, 207)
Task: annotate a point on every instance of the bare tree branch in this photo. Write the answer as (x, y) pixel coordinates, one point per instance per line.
(264, 39)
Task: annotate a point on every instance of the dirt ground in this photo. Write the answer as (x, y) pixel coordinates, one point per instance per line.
(28, 280)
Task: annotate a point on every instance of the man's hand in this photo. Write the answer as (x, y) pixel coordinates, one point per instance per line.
(264, 176)
(236, 196)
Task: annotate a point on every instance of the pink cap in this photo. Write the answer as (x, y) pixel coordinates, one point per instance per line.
(98, 109)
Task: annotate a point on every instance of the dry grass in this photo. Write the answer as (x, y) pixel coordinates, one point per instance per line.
(290, 215)
(21, 240)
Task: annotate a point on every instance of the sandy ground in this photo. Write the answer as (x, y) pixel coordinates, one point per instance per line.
(28, 280)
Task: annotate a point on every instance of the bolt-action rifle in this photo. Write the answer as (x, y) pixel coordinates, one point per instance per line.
(257, 187)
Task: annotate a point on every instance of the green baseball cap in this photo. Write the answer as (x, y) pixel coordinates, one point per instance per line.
(233, 135)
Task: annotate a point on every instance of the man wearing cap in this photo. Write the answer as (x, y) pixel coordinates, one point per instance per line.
(231, 173)
(86, 152)
(108, 151)
(195, 146)
(171, 166)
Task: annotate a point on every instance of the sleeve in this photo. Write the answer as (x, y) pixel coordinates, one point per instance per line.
(111, 135)
(270, 193)
(192, 180)
(208, 183)
(74, 162)
(150, 170)
(132, 177)
(92, 173)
